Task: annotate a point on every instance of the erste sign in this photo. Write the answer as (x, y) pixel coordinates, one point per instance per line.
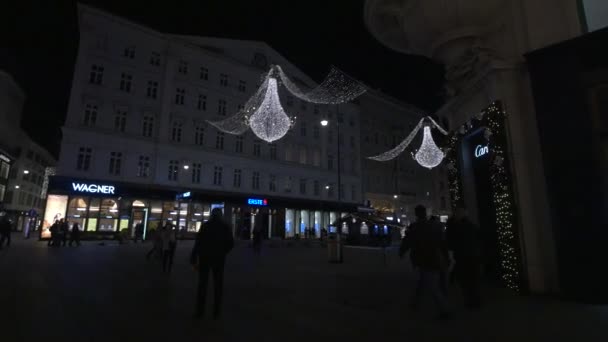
(93, 188)
(257, 201)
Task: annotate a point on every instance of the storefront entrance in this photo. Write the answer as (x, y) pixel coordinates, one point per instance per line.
(478, 163)
(139, 215)
(476, 154)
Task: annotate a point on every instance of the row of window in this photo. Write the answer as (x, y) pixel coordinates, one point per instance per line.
(195, 169)
(147, 130)
(152, 90)
(83, 161)
(97, 71)
(23, 198)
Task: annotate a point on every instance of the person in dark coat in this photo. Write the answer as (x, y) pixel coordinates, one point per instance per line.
(5, 231)
(213, 242)
(54, 230)
(75, 234)
(257, 236)
(464, 239)
(428, 252)
(139, 233)
(65, 230)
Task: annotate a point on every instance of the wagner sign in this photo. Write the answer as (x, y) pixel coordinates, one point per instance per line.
(93, 188)
(481, 151)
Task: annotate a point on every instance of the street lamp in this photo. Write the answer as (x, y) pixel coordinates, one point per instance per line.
(186, 167)
(324, 123)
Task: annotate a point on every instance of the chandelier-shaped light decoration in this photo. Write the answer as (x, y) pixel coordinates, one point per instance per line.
(336, 88)
(239, 123)
(392, 154)
(269, 122)
(429, 155)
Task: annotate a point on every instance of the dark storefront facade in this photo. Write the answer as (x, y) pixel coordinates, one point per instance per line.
(570, 85)
(103, 208)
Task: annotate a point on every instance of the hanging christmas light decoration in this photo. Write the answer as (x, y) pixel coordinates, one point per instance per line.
(269, 122)
(392, 154)
(429, 155)
(336, 88)
(239, 123)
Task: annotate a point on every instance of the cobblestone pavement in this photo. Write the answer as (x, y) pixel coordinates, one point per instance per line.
(110, 293)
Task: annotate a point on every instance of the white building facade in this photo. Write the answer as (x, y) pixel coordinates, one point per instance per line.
(137, 121)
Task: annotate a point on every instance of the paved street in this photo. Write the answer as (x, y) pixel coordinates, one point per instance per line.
(110, 293)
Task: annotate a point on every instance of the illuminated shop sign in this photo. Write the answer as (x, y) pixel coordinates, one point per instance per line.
(184, 195)
(257, 201)
(481, 151)
(93, 188)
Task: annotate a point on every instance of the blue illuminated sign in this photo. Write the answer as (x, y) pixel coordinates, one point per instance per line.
(257, 201)
(184, 195)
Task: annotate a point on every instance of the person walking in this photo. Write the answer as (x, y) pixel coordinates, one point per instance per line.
(54, 229)
(139, 233)
(257, 237)
(65, 230)
(169, 244)
(428, 252)
(75, 234)
(213, 242)
(465, 241)
(5, 231)
(156, 236)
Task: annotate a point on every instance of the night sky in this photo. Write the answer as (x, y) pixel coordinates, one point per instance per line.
(40, 49)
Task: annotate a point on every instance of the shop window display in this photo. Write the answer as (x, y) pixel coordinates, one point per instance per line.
(56, 206)
(77, 211)
(108, 215)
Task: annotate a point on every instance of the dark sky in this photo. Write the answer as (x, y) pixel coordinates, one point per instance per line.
(40, 47)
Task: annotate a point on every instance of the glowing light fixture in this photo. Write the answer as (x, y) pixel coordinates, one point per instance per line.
(26, 172)
(324, 123)
(429, 155)
(269, 122)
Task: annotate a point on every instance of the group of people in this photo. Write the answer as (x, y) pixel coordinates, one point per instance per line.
(429, 245)
(164, 246)
(213, 242)
(60, 231)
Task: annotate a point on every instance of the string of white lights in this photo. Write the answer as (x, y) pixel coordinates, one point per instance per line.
(239, 122)
(429, 155)
(443, 131)
(269, 122)
(392, 154)
(336, 88)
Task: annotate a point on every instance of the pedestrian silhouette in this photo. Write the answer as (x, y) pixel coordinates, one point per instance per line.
(5, 231)
(169, 245)
(75, 235)
(213, 242)
(428, 253)
(257, 236)
(65, 230)
(464, 239)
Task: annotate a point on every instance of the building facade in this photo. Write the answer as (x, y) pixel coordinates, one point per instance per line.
(396, 187)
(23, 163)
(137, 119)
(483, 48)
